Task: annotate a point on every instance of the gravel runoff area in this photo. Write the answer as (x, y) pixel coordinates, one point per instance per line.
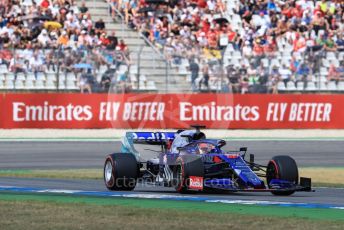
(212, 133)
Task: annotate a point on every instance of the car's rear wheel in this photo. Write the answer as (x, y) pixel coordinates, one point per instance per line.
(187, 166)
(283, 168)
(120, 171)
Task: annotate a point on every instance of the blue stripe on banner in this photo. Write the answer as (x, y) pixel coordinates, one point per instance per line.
(167, 197)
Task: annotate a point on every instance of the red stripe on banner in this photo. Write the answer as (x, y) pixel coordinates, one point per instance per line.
(218, 111)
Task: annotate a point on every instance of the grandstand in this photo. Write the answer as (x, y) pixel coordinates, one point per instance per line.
(239, 46)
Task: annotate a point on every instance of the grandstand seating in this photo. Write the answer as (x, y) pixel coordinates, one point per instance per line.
(283, 54)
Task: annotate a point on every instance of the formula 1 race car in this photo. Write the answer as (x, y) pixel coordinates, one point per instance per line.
(188, 161)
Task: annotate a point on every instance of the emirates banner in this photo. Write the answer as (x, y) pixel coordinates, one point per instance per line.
(161, 111)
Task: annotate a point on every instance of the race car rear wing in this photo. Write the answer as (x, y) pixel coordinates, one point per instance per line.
(148, 138)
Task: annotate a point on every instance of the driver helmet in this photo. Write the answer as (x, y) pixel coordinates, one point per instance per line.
(204, 148)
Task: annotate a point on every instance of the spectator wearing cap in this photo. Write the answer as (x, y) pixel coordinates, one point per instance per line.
(86, 22)
(247, 50)
(44, 39)
(84, 39)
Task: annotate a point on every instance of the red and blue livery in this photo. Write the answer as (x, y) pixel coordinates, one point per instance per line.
(188, 161)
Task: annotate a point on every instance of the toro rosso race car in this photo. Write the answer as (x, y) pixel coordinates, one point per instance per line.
(188, 161)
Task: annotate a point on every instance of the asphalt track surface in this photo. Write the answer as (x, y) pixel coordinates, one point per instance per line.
(63, 155)
(70, 155)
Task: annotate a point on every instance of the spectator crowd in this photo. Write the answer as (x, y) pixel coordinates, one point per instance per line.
(238, 46)
(55, 35)
(276, 40)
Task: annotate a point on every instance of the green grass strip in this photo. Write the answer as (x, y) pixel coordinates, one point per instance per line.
(321, 176)
(309, 213)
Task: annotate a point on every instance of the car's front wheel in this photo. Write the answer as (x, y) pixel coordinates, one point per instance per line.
(187, 170)
(283, 168)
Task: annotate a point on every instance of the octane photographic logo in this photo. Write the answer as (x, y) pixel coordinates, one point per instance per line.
(192, 182)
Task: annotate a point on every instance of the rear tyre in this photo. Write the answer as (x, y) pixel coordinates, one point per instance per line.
(186, 166)
(284, 168)
(120, 171)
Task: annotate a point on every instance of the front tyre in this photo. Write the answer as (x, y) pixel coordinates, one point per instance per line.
(120, 171)
(283, 168)
(186, 166)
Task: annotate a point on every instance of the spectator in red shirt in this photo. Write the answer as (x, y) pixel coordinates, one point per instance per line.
(287, 11)
(104, 41)
(318, 12)
(231, 34)
(212, 39)
(258, 49)
(270, 47)
(299, 44)
(122, 47)
(205, 26)
(297, 11)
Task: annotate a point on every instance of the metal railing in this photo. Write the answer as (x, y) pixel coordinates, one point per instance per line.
(155, 50)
